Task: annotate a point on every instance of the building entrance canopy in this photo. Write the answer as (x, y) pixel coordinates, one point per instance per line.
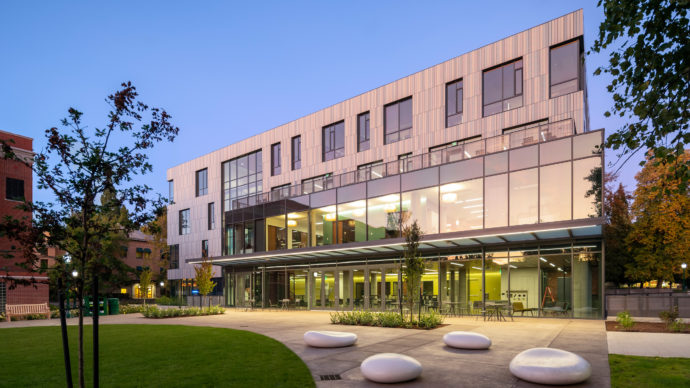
(514, 236)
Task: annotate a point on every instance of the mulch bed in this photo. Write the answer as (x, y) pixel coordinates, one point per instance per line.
(644, 327)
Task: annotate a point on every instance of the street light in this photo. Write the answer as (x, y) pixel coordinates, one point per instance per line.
(683, 266)
(75, 273)
(162, 284)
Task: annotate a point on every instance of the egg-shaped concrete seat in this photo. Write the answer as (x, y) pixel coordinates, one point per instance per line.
(329, 339)
(466, 340)
(390, 368)
(550, 366)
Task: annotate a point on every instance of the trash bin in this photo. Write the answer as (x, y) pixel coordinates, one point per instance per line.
(113, 306)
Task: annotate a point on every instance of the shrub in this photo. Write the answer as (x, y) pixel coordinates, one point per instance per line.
(677, 326)
(430, 320)
(625, 320)
(385, 319)
(156, 312)
(390, 319)
(132, 308)
(169, 301)
(670, 317)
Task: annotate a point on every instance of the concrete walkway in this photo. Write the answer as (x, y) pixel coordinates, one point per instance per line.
(649, 344)
(443, 366)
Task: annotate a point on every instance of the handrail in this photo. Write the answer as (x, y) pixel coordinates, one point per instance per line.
(538, 133)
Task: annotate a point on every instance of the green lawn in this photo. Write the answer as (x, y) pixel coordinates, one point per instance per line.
(644, 372)
(152, 356)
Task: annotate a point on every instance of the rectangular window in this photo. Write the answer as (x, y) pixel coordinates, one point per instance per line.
(174, 256)
(202, 182)
(171, 191)
(140, 253)
(242, 176)
(275, 159)
(565, 63)
(503, 88)
(405, 162)
(554, 192)
(373, 170)
(456, 150)
(422, 206)
(333, 141)
(211, 216)
(297, 152)
(462, 206)
(279, 192)
(524, 194)
(204, 248)
(363, 132)
(14, 189)
(317, 183)
(453, 103)
(397, 121)
(184, 227)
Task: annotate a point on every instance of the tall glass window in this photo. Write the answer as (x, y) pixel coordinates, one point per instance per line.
(496, 196)
(524, 197)
(276, 233)
(323, 226)
(297, 152)
(333, 141)
(298, 229)
(184, 227)
(453, 103)
(242, 176)
(565, 63)
(503, 88)
(352, 222)
(363, 132)
(421, 206)
(587, 188)
(201, 182)
(554, 192)
(211, 214)
(171, 190)
(384, 217)
(275, 159)
(556, 273)
(524, 282)
(462, 206)
(398, 120)
(204, 248)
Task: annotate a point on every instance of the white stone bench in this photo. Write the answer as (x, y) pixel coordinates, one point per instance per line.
(390, 368)
(550, 366)
(466, 340)
(329, 339)
(18, 310)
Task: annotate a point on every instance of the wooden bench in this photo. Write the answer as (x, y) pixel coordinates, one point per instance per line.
(26, 309)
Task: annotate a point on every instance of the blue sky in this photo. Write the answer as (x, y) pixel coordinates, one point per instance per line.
(226, 71)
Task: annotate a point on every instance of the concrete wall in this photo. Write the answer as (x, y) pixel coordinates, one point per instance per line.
(649, 304)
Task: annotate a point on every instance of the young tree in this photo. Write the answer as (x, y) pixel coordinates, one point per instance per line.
(145, 281)
(414, 265)
(158, 229)
(203, 276)
(660, 235)
(651, 77)
(616, 231)
(77, 167)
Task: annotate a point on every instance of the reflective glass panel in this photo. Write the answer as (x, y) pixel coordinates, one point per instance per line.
(323, 226)
(298, 229)
(524, 157)
(496, 163)
(587, 285)
(462, 206)
(556, 298)
(524, 197)
(384, 217)
(422, 206)
(352, 222)
(587, 188)
(554, 192)
(496, 207)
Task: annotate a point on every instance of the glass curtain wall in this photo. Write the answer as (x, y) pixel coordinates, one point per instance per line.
(556, 277)
(323, 226)
(421, 206)
(462, 206)
(524, 282)
(352, 222)
(384, 217)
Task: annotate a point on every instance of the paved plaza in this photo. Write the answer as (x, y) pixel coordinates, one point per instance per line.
(442, 366)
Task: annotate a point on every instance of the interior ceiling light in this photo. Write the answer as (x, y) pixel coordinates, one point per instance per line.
(358, 212)
(390, 198)
(293, 216)
(328, 209)
(329, 217)
(358, 204)
(449, 197)
(292, 223)
(451, 187)
(390, 207)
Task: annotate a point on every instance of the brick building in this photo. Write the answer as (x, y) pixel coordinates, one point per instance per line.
(15, 186)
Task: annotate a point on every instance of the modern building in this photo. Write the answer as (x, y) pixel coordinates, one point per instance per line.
(490, 152)
(16, 179)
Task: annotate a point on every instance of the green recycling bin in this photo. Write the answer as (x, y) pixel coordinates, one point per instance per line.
(113, 306)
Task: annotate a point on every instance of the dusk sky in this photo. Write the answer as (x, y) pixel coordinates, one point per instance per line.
(228, 71)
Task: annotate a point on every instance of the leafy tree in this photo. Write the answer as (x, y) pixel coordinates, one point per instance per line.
(77, 167)
(651, 77)
(660, 235)
(158, 229)
(414, 265)
(145, 281)
(616, 231)
(203, 276)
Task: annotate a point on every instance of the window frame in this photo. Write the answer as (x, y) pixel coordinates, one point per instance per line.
(171, 191)
(184, 227)
(9, 188)
(515, 85)
(201, 191)
(367, 116)
(397, 132)
(460, 113)
(296, 162)
(204, 249)
(276, 168)
(211, 215)
(331, 129)
(580, 66)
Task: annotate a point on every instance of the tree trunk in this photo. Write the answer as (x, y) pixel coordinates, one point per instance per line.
(80, 306)
(658, 283)
(96, 312)
(63, 329)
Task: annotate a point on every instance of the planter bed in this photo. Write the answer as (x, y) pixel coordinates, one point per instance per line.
(645, 327)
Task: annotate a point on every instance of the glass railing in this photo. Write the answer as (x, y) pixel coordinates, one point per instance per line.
(531, 135)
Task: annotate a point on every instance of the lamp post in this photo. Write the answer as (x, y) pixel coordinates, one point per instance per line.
(683, 266)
